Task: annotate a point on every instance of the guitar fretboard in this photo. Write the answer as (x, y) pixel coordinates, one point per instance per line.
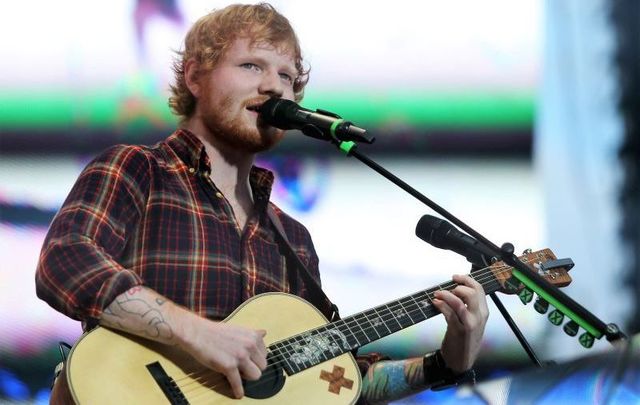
(331, 340)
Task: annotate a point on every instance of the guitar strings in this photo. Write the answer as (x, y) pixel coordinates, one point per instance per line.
(413, 309)
(482, 276)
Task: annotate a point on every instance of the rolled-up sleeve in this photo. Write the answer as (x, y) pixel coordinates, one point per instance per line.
(79, 272)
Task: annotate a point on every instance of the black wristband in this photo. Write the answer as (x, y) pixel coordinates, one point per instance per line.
(439, 376)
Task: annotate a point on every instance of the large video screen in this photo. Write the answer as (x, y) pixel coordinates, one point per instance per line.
(82, 66)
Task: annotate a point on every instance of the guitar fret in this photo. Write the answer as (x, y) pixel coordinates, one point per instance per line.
(380, 321)
(280, 350)
(421, 316)
(401, 315)
(415, 316)
(365, 335)
(371, 325)
(390, 312)
(348, 332)
(277, 349)
(426, 302)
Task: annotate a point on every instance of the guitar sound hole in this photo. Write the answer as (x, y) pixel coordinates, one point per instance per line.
(269, 384)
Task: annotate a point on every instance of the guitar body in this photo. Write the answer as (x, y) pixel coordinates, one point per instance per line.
(110, 367)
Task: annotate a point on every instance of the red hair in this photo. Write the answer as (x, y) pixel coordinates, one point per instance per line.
(212, 35)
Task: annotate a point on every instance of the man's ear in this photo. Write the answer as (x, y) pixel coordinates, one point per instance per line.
(191, 76)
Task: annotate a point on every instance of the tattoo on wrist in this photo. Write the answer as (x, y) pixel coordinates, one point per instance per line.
(391, 380)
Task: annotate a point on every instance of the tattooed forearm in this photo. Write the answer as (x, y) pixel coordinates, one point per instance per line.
(139, 311)
(391, 380)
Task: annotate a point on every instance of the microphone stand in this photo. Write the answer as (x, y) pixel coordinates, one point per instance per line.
(594, 327)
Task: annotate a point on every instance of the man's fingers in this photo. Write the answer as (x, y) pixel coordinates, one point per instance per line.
(259, 354)
(259, 359)
(262, 348)
(467, 295)
(466, 312)
(250, 371)
(477, 302)
(468, 281)
(453, 300)
(233, 376)
(456, 305)
(470, 292)
(466, 301)
(448, 312)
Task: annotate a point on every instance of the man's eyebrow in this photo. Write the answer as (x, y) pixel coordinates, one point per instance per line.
(290, 71)
(281, 67)
(289, 68)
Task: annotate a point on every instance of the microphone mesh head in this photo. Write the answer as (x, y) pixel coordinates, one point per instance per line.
(432, 230)
(275, 112)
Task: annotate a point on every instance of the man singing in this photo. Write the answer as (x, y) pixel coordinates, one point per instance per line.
(165, 241)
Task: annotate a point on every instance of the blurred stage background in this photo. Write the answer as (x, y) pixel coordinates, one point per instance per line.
(521, 118)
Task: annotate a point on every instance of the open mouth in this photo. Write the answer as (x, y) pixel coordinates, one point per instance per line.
(255, 106)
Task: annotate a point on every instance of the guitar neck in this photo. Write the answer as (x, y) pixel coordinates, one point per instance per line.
(317, 345)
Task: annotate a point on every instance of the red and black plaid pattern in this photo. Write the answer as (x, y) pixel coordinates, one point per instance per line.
(151, 216)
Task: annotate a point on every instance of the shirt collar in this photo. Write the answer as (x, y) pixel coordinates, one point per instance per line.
(261, 181)
(191, 151)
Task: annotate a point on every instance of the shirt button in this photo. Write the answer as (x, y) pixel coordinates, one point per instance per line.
(218, 194)
(192, 170)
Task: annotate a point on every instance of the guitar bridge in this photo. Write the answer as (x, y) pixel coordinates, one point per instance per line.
(167, 384)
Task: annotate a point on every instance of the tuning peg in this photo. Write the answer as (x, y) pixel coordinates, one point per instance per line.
(526, 295)
(586, 339)
(571, 328)
(556, 317)
(541, 305)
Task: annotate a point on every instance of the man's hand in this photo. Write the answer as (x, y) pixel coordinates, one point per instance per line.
(465, 309)
(235, 351)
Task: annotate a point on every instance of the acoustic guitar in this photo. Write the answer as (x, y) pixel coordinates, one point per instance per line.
(309, 358)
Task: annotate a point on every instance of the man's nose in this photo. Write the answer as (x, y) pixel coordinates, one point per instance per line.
(271, 85)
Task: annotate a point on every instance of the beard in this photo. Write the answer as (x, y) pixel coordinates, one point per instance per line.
(231, 129)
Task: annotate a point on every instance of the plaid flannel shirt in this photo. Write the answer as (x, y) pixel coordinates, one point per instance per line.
(151, 216)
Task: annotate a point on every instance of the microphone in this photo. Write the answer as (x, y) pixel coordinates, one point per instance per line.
(320, 124)
(441, 234)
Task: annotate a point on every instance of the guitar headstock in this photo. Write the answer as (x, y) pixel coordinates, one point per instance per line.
(556, 272)
(543, 262)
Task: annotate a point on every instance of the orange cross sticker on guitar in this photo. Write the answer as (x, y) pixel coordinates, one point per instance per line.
(336, 379)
